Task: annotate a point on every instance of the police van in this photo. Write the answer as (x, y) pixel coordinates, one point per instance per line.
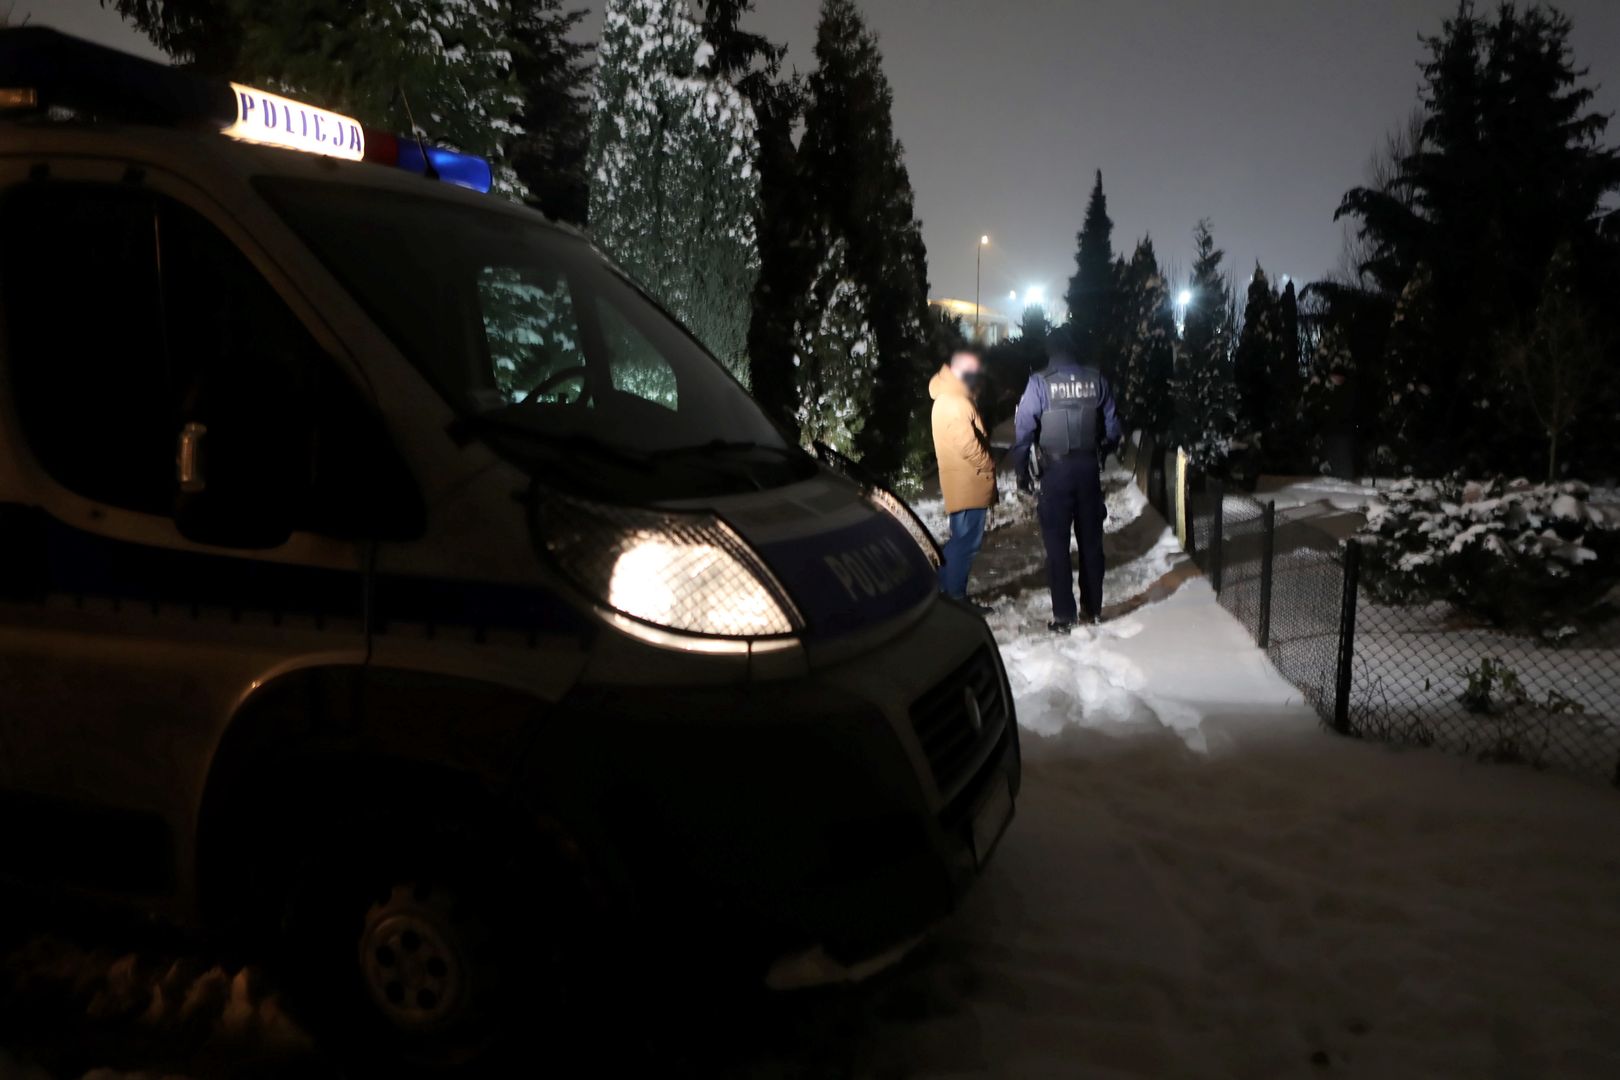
(387, 583)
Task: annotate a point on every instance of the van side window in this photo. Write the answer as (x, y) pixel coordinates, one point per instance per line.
(128, 316)
(84, 313)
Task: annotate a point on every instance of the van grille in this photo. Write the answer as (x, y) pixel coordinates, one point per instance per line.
(944, 722)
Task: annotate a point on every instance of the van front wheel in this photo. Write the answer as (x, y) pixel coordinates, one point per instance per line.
(422, 956)
(417, 957)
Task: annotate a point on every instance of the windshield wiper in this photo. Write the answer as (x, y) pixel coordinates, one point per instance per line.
(722, 447)
(465, 428)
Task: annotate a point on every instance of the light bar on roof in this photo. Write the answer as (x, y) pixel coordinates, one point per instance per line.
(263, 117)
(463, 170)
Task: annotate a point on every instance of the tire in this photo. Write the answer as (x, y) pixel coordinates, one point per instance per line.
(416, 949)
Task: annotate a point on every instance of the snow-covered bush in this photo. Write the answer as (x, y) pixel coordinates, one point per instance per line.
(1516, 554)
(835, 360)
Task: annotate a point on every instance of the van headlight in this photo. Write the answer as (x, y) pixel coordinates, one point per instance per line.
(897, 508)
(879, 495)
(690, 573)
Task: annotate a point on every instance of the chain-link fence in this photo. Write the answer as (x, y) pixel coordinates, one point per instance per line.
(1424, 675)
(1282, 578)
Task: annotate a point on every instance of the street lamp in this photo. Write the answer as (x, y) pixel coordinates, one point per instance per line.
(978, 265)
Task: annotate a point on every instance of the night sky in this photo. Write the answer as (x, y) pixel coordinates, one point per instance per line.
(1255, 113)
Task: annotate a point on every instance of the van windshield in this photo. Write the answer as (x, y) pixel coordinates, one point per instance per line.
(539, 345)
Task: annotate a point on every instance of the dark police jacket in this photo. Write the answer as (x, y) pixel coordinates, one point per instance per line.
(1069, 409)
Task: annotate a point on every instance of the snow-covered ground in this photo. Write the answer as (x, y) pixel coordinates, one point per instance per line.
(1293, 492)
(1200, 882)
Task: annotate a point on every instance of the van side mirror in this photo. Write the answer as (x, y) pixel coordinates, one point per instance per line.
(242, 484)
(217, 500)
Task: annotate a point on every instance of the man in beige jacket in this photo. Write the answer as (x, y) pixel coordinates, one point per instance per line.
(967, 475)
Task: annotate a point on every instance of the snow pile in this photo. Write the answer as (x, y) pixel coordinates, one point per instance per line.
(1123, 498)
(1110, 677)
(1293, 493)
(196, 1010)
(1515, 554)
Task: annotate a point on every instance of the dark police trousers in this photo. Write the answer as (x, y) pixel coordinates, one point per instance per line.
(1072, 503)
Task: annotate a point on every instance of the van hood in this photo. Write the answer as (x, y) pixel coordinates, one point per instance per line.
(847, 564)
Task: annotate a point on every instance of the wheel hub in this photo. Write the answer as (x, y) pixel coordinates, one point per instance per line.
(411, 964)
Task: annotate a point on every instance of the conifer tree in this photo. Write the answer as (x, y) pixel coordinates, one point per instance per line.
(1557, 363)
(853, 171)
(673, 190)
(789, 245)
(1328, 399)
(445, 65)
(1206, 405)
(1144, 390)
(1507, 166)
(550, 135)
(1257, 361)
(1412, 430)
(499, 79)
(1091, 290)
(1288, 313)
(1285, 445)
(203, 35)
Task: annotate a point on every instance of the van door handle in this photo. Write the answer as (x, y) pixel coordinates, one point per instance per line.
(188, 458)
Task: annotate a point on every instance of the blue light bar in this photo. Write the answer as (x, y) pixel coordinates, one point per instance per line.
(464, 170)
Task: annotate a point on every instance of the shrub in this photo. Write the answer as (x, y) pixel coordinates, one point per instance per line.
(1519, 726)
(1516, 555)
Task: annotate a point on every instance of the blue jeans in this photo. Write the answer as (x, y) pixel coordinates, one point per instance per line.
(967, 533)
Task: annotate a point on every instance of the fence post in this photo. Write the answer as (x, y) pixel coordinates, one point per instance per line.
(1184, 531)
(1268, 550)
(1347, 639)
(1217, 535)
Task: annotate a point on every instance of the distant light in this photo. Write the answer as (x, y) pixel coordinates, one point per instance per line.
(1035, 295)
(1184, 297)
(984, 240)
(1012, 294)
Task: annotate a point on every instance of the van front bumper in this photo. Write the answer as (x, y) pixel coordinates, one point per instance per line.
(809, 829)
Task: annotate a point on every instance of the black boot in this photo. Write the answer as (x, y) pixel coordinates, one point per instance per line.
(1060, 626)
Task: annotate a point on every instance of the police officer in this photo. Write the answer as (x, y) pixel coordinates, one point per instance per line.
(1067, 415)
